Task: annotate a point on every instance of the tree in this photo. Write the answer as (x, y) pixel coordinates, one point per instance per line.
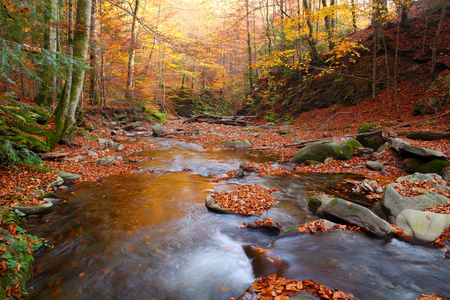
(93, 56)
(47, 93)
(67, 105)
(132, 53)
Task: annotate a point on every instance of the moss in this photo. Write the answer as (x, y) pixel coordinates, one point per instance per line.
(372, 140)
(434, 166)
(332, 204)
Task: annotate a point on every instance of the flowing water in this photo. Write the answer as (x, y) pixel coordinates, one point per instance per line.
(148, 235)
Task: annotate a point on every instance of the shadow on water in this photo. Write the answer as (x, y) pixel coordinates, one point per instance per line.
(149, 236)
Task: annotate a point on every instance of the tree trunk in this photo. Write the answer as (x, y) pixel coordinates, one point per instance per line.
(249, 47)
(377, 22)
(47, 93)
(354, 15)
(93, 56)
(310, 37)
(131, 55)
(65, 111)
(328, 27)
(438, 36)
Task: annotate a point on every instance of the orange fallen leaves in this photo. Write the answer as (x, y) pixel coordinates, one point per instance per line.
(273, 287)
(248, 199)
(319, 226)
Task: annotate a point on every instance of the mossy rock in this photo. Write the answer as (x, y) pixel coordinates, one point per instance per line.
(11, 246)
(373, 141)
(434, 166)
(319, 151)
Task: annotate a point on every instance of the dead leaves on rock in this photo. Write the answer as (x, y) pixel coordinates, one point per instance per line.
(319, 226)
(249, 199)
(273, 287)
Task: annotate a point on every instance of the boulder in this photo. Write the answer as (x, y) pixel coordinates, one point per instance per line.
(355, 214)
(68, 177)
(374, 165)
(158, 130)
(319, 151)
(35, 209)
(422, 226)
(316, 202)
(132, 126)
(237, 144)
(412, 163)
(107, 161)
(215, 207)
(407, 148)
(59, 181)
(105, 142)
(434, 166)
(248, 167)
(283, 130)
(372, 140)
(392, 203)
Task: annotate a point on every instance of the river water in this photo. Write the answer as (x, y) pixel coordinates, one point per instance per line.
(148, 235)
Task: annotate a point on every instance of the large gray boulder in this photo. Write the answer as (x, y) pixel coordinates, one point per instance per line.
(215, 207)
(237, 144)
(422, 226)
(158, 130)
(68, 177)
(317, 202)
(405, 147)
(355, 214)
(319, 151)
(107, 161)
(393, 203)
(35, 209)
(132, 126)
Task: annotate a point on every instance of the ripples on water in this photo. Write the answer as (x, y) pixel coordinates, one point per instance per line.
(149, 236)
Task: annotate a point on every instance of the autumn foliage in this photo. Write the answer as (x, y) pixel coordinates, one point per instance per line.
(249, 199)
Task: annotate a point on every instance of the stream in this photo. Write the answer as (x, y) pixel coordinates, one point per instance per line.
(148, 235)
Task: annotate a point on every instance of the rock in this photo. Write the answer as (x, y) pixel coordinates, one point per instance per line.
(68, 177)
(371, 140)
(365, 152)
(76, 159)
(375, 166)
(19, 189)
(237, 144)
(379, 190)
(412, 163)
(92, 154)
(239, 173)
(446, 174)
(132, 126)
(59, 181)
(369, 185)
(158, 130)
(268, 226)
(107, 161)
(434, 166)
(354, 214)
(120, 147)
(248, 167)
(35, 209)
(405, 147)
(105, 142)
(328, 159)
(319, 151)
(270, 124)
(316, 202)
(248, 128)
(383, 147)
(392, 203)
(422, 226)
(283, 130)
(215, 207)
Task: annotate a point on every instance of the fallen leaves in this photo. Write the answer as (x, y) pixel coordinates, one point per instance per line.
(273, 287)
(249, 199)
(319, 226)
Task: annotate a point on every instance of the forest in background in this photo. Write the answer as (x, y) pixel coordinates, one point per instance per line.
(187, 56)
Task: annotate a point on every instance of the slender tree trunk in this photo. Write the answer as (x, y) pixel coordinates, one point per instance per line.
(354, 15)
(47, 94)
(310, 37)
(65, 111)
(438, 36)
(328, 27)
(131, 54)
(249, 47)
(377, 21)
(93, 56)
